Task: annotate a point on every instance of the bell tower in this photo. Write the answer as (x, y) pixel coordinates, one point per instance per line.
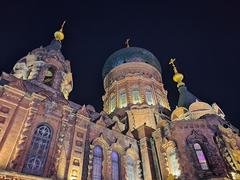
(47, 67)
(133, 84)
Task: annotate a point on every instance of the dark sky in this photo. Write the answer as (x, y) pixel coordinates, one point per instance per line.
(204, 37)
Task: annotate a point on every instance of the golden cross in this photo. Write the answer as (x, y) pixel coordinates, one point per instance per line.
(127, 43)
(171, 62)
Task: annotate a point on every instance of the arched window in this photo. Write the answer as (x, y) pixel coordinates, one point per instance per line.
(115, 166)
(130, 168)
(97, 163)
(173, 162)
(112, 104)
(149, 96)
(49, 76)
(123, 99)
(136, 96)
(201, 157)
(38, 151)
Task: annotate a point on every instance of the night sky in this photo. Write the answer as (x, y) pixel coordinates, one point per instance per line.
(203, 37)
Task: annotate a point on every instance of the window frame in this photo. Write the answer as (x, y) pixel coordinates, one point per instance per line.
(149, 93)
(203, 163)
(36, 153)
(112, 102)
(123, 103)
(131, 165)
(136, 95)
(117, 163)
(97, 158)
(52, 69)
(172, 156)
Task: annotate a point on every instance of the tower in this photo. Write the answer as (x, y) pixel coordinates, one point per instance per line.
(47, 67)
(133, 84)
(134, 92)
(39, 84)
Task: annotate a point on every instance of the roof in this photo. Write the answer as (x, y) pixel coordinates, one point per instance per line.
(186, 98)
(130, 54)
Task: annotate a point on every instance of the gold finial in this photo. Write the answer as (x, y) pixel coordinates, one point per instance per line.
(177, 77)
(59, 36)
(127, 43)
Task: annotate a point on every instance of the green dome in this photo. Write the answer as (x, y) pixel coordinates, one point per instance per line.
(130, 54)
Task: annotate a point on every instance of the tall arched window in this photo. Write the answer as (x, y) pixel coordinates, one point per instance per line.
(123, 99)
(130, 168)
(136, 96)
(97, 163)
(38, 151)
(115, 166)
(201, 157)
(173, 162)
(149, 96)
(112, 104)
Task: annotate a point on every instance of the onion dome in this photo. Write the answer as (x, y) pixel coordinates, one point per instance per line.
(186, 98)
(177, 77)
(130, 54)
(198, 109)
(179, 113)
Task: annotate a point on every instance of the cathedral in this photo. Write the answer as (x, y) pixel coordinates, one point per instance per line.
(136, 136)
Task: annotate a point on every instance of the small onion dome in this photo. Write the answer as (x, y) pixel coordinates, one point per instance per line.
(179, 113)
(59, 36)
(130, 54)
(198, 109)
(178, 77)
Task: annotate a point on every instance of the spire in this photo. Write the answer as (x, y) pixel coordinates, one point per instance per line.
(186, 98)
(59, 35)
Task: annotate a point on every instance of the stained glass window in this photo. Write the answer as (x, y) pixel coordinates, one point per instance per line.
(97, 163)
(130, 168)
(112, 102)
(136, 96)
(38, 151)
(115, 166)
(149, 97)
(201, 157)
(123, 99)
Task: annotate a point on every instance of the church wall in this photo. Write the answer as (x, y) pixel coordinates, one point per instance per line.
(110, 140)
(13, 114)
(76, 159)
(157, 136)
(200, 131)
